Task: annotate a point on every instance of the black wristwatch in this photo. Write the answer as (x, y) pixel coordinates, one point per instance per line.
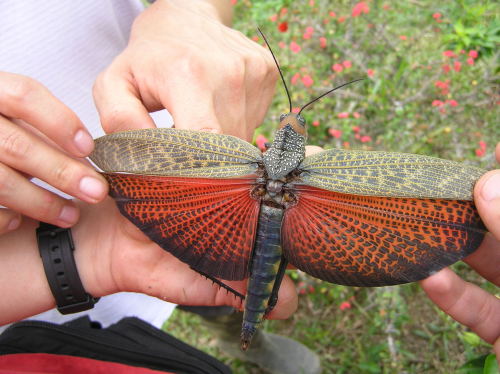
(56, 249)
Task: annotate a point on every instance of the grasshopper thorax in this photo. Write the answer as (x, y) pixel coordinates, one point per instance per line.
(288, 148)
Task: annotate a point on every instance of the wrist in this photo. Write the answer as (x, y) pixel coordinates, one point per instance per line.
(92, 252)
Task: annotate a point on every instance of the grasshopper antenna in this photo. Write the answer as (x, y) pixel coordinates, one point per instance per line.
(327, 92)
(279, 69)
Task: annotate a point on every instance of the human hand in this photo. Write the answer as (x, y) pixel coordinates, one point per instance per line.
(38, 137)
(463, 301)
(117, 256)
(183, 58)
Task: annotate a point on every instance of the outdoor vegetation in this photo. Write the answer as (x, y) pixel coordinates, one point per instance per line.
(431, 87)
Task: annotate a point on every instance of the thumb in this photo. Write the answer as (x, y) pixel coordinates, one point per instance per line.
(487, 200)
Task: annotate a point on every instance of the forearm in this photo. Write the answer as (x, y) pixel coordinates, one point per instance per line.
(23, 284)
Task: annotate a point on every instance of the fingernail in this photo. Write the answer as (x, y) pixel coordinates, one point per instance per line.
(14, 224)
(83, 142)
(69, 214)
(92, 187)
(491, 188)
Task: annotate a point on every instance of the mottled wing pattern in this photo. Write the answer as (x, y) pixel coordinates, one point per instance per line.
(183, 153)
(209, 224)
(373, 173)
(375, 241)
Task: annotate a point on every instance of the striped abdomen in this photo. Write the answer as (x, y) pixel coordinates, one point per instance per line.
(265, 264)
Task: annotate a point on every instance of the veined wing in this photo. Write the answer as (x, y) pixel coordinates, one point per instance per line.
(183, 153)
(373, 173)
(375, 241)
(209, 224)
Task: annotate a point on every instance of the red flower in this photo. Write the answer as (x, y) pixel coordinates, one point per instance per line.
(309, 30)
(307, 80)
(343, 115)
(345, 305)
(233, 2)
(482, 149)
(452, 102)
(341, 19)
(470, 61)
(282, 44)
(337, 68)
(446, 68)
(436, 16)
(295, 110)
(356, 115)
(295, 78)
(255, 38)
(332, 14)
(306, 36)
(273, 18)
(403, 37)
(449, 54)
(283, 26)
(283, 11)
(366, 139)
(346, 145)
(295, 47)
(437, 103)
(347, 64)
(370, 72)
(261, 140)
(444, 86)
(315, 123)
(457, 66)
(322, 42)
(335, 133)
(473, 54)
(360, 8)
(356, 129)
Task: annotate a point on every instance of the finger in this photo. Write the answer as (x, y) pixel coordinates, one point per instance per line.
(9, 220)
(20, 195)
(465, 302)
(486, 259)
(23, 151)
(26, 99)
(118, 101)
(194, 108)
(312, 149)
(487, 200)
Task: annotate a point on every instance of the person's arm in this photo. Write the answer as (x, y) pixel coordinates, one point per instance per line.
(466, 303)
(111, 255)
(181, 56)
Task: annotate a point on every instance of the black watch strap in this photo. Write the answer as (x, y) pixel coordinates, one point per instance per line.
(56, 249)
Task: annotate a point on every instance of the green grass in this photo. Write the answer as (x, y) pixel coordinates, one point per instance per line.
(389, 329)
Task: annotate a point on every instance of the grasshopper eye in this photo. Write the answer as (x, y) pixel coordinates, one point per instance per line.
(282, 117)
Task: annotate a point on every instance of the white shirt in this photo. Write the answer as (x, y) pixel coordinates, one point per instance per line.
(65, 44)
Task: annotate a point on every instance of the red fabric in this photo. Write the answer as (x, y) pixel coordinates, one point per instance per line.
(44, 363)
